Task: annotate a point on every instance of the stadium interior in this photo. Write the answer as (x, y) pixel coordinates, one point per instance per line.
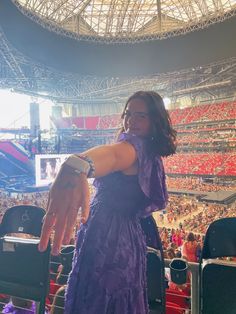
(87, 58)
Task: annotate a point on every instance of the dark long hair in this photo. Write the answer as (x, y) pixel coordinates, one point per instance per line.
(162, 139)
(190, 237)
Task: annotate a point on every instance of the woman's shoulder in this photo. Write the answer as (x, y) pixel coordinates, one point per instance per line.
(133, 139)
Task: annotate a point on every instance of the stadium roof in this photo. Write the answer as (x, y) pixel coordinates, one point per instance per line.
(128, 20)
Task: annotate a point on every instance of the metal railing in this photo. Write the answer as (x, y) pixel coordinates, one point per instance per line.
(193, 268)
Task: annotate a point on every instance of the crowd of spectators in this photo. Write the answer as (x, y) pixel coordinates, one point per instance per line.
(186, 222)
(212, 138)
(200, 222)
(212, 163)
(9, 200)
(208, 112)
(109, 121)
(38, 199)
(198, 184)
(190, 215)
(179, 207)
(202, 113)
(174, 243)
(183, 213)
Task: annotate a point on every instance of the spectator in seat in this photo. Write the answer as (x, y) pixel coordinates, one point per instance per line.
(189, 250)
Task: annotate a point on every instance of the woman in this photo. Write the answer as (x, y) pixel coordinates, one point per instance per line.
(189, 249)
(109, 267)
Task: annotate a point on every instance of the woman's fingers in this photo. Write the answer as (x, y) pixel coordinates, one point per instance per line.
(49, 222)
(73, 212)
(85, 199)
(59, 232)
(71, 221)
(65, 198)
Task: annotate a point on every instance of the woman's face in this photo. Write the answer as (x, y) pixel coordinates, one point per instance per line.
(136, 118)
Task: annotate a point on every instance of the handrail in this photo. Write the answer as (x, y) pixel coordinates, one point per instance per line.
(194, 269)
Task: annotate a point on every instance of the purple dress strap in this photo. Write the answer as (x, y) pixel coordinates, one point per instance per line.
(151, 174)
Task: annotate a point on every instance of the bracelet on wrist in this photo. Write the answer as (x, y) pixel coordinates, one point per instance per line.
(81, 164)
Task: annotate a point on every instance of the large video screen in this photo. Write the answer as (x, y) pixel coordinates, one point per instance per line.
(47, 167)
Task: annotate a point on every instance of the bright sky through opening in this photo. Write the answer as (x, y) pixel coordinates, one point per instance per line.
(15, 110)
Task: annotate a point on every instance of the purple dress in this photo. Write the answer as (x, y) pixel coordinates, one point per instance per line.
(11, 309)
(109, 267)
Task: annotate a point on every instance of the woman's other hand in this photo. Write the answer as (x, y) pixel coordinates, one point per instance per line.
(68, 193)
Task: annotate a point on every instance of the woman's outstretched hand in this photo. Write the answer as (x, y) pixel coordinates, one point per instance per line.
(68, 193)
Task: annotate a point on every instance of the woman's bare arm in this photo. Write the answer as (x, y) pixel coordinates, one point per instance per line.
(70, 191)
(110, 158)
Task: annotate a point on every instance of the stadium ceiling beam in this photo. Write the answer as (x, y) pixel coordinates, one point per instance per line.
(202, 87)
(152, 24)
(110, 14)
(69, 87)
(84, 6)
(202, 6)
(159, 14)
(185, 9)
(133, 20)
(223, 70)
(60, 5)
(122, 15)
(12, 62)
(38, 7)
(218, 5)
(80, 6)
